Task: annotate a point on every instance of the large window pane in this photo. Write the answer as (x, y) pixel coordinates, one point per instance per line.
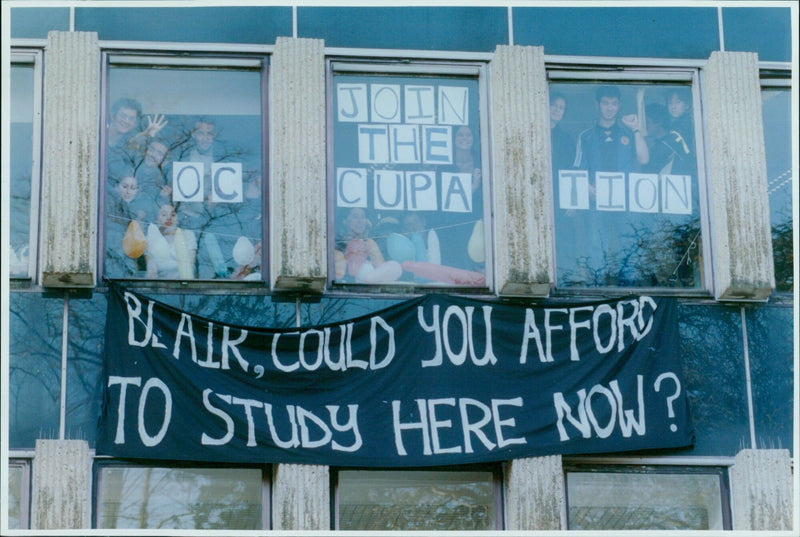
(180, 498)
(645, 501)
(21, 167)
(416, 500)
(626, 187)
(408, 202)
(777, 115)
(184, 169)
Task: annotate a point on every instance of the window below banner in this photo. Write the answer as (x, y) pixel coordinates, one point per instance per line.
(184, 167)
(409, 184)
(426, 500)
(202, 498)
(776, 110)
(19, 479)
(647, 498)
(24, 163)
(627, 183)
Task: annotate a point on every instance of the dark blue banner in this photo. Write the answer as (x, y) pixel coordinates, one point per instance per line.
(437, 380)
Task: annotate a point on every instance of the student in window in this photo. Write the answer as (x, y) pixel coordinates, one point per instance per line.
(125, 140)
(612, 144)
(681, 131)
(171, 250)
(562, 144)
(126, 212)
(358, 257)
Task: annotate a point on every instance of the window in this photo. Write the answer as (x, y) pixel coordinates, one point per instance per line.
(626, 180)
(777, 113)
(647, 498)
(19, 477)
(184, 167)
(151, 497)
(25, 130)
(409, 177)
(432, 500)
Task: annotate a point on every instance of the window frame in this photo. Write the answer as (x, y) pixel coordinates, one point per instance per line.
(32, 55)
(26, 465)
(649, 73)
(196, 56)
(101, 463)
(654, 466)
(778, 76)
(409, 63)
(496, 470)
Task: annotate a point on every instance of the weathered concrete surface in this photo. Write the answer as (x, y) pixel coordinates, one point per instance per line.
(737, 172)
(298, 166)
(62, 473)
(535, 494)
(69, 159)
(301, 497)
(521, 176)
(761, 490)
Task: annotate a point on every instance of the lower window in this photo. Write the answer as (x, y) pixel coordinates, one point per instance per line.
(647, 498)
(431, 500)
(150, 497)
(19, 472)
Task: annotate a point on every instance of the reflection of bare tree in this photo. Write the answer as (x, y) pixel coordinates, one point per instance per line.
(783, 253)
(181, 498)
(666, 254)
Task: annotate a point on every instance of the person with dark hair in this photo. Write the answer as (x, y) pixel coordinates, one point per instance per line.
(612, 143)
(561, 144)
(681, 131)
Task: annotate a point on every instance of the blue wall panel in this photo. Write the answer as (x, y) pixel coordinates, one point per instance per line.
(474, 29)
(767, 31)
(636, 32)
(252, 25)
(34, 23)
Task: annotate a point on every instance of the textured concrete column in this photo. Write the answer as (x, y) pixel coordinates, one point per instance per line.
(737, 171)
(62, 473)
(521, 160)
(69, 159)
(534, 491)
(297, 163)
(761, 490)
(301, 497)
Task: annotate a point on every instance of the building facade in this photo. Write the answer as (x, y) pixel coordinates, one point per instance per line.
(303, 168)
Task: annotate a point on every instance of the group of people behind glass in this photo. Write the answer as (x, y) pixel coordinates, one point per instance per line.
(150, 235)
(618, 143)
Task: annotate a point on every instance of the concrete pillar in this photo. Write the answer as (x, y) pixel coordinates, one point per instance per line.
(62, 473)
(737, 178)
(521, 161)
(535, 494)
(298, 165)
(69, 159)
(761, 490)
(301, 497)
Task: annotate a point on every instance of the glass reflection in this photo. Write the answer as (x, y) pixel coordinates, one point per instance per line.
(776, 113)
(34, 383)
(625, 186)
(21, 168)
(644, 501)
(180, 498)
(416, 500)
(408, 204)
(183, 167)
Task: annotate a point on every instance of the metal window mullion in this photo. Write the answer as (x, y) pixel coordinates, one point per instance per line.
(748, 381)
(64, 347)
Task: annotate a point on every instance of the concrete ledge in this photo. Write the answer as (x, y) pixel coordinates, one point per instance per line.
(62, 473)
(761, 490)
(301, 497)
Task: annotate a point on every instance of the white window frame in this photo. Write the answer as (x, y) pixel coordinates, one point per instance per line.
(494, 468)
(101, 463)
(719, 466)
(409, 63)
(563, 69)
(25, 463)
(189, 55)
(33, 55)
